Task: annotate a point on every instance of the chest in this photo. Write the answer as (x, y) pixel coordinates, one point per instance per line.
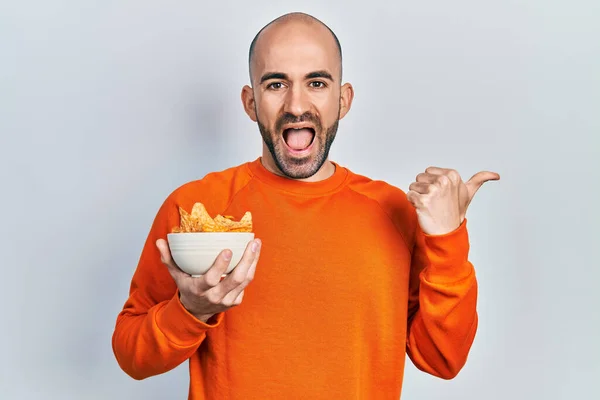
(315, 249)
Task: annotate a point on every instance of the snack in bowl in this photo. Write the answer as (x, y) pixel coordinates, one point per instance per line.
(198, 240)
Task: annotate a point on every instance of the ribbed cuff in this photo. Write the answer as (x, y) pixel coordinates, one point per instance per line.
(180, 326)
(448, 255)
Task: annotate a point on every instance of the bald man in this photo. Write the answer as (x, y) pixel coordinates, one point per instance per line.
(345, 275)
(297, 50)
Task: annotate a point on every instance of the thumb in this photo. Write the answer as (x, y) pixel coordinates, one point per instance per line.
(165, 258)
(479, 179)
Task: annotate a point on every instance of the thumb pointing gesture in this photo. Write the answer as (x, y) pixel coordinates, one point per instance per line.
(478, 180)
(441, 197)
(473, 185)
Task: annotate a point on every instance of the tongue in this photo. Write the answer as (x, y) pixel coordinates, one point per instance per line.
(299, 139)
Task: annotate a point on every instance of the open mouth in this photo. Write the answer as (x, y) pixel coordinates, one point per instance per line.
(299, 139)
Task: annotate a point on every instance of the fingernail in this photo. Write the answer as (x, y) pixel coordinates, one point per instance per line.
(255, 245)
(227, 255)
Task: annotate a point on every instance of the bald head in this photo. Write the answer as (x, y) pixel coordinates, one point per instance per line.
(289, 24)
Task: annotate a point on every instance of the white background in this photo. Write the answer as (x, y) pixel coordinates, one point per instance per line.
(105, 107)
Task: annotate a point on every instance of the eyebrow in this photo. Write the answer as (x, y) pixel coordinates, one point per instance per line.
(311, 75)
(319, 74)
(273, 75)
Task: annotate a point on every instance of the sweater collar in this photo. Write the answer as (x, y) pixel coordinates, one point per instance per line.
(331, 184)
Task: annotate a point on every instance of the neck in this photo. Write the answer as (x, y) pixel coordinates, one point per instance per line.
(326, 170)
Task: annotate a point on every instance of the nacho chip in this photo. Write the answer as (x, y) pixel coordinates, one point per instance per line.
(199, 220)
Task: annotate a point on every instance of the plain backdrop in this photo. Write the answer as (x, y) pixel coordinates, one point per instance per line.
(105, 107)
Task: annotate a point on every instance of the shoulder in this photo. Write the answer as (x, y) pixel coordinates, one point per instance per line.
(387, 195)
(391, 199)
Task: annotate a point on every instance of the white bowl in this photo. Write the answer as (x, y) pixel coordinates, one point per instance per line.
(195, 252)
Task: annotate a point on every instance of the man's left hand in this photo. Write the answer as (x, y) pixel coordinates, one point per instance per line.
(441, 198)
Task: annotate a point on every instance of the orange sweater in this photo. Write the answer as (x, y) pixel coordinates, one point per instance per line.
(346, 286)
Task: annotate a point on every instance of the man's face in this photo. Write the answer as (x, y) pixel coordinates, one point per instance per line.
(297, 98)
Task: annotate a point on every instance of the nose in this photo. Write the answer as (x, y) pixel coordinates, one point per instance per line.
(296, 101)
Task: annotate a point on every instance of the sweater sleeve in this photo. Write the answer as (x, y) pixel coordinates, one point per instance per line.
(154, 333)
(442, 315)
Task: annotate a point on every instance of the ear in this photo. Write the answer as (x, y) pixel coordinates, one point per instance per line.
(346, 97)
(248, 102)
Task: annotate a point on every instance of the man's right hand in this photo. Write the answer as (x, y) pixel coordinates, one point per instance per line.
(207, 295)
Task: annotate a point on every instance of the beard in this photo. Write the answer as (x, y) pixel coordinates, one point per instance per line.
(305, 167)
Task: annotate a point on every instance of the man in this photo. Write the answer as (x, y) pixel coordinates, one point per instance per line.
(346, 274)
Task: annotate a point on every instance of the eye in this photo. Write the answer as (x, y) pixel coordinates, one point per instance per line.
(317, 84)
(275, 85)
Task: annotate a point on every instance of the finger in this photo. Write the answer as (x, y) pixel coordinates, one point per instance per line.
(420, 187)
(233, 294)
(233, 298)
(167, 259)
(426, 177)
(479, 179)
(437, 170)
(252, 269)
(444, 175)
(414, 198)
(239, 298)
(212, 277)
(239, 276)
(483, 176)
